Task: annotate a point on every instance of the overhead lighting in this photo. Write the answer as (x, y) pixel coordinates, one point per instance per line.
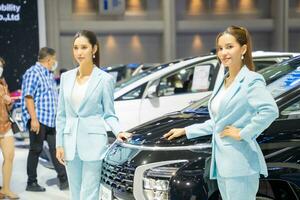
(298, 7)
(136, 43)
(197, 42)
(111, 42)
(195, 7)
(246, 6)
(221, 6)
(134, 6)
(83, 6)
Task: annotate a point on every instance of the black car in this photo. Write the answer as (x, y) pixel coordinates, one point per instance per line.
(151, 167)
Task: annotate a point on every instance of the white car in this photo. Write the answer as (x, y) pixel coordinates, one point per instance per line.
(171, 87)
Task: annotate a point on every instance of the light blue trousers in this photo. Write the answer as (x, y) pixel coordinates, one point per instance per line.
(83, 178)
(239, 188)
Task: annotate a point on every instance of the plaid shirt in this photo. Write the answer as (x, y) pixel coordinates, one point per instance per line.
(38, 82)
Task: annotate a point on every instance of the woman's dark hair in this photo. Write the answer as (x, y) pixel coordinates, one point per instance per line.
(242, 36)
(2, 80)
(92, 38)
(45, 52)
(2, 61)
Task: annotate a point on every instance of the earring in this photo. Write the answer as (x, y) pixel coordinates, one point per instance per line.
(94, 56)
(242, 57)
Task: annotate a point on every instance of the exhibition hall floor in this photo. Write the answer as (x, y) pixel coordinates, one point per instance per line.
(46, 178)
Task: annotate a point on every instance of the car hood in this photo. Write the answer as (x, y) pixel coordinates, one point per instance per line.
(151, 133)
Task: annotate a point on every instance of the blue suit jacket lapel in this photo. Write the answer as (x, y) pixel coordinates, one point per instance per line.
(92, 84)
(232, 91)
(70, 81)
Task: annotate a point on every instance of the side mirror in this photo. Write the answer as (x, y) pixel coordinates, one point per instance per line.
(152, 91)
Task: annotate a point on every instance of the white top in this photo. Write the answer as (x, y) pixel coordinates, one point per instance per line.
(78, 93)
(216, 101)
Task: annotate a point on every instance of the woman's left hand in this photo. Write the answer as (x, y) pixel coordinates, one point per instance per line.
(123, 136)
(231, 131)
(7, 99)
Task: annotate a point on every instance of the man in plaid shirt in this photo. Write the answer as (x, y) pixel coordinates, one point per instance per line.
(39, 104)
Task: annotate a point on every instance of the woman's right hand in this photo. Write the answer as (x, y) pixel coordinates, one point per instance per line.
(175, 133)
(60, 155)
(123, 136)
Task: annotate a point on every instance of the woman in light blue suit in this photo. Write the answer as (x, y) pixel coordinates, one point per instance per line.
(86, 102)
(240, 109)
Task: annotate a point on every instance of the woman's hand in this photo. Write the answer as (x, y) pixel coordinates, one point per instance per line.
(175, 133)
(123, 136)
(231, 131)
(60, 155)
(7, 99)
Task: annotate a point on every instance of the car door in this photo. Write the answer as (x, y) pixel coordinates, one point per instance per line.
(178, 89)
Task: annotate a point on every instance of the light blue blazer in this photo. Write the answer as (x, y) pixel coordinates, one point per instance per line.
(248, 106)
(83, 130)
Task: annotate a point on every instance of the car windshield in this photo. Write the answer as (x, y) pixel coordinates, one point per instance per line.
(145, 73)
(137, 77)
(280, 78)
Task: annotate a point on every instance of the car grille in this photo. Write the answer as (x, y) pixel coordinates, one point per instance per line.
(118, 177)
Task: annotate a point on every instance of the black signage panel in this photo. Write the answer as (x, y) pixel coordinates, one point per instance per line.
(19, 38)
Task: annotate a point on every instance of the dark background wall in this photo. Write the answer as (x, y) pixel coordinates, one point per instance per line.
(19, 38)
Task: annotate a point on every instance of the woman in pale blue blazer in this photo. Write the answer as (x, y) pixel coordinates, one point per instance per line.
(240, 108)
(86, 103)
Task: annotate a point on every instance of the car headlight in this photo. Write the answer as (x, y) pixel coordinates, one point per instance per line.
(156, 182)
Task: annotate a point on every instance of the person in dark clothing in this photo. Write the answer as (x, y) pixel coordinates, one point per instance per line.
(39, 104)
